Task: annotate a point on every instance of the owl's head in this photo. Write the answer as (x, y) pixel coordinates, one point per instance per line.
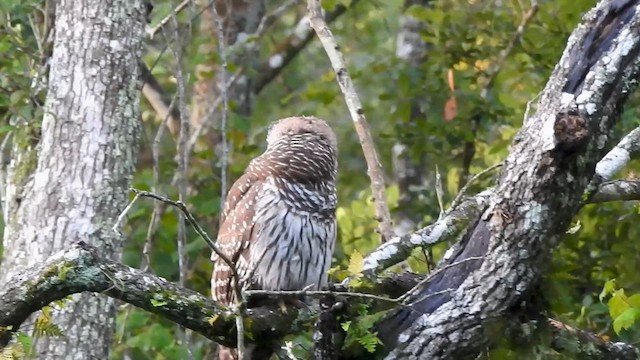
(308, 127)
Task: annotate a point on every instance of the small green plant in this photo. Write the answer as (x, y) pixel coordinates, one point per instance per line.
(623, 309)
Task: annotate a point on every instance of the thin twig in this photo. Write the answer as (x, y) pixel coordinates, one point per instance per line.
(458, 199)
(158, 207)
(439, 193)
(290, 48)
(319, 293)
(469, 148)
(124, 212)
(181, 172)
(430, 296)
(239, 296)
(215, 104)
(224, 94)
(191, 220)
(154, 30)
(262, 27)
(436, 272)
(374, 169)
(269, 19)
(3, 194)
(504, 54)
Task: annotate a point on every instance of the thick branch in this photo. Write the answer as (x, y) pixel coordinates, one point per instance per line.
(619, 156)
(81, 268)
(447, 228)
(619, 190)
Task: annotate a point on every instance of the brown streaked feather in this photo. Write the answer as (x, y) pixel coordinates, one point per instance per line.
(278, 222)
(234, 234)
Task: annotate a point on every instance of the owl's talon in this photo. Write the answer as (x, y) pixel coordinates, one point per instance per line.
(282, 306)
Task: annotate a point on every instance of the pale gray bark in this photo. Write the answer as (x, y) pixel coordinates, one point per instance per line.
(618, 157)
(74, 181)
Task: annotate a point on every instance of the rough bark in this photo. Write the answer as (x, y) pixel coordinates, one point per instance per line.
(540, 189)
(73, 183)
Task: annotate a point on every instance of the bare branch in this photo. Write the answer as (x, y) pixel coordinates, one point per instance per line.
(374, 169)
(196, 226)
(619, 190)
(116, 226)
(465, 188)
(628, 148)
(291, 47)
(446, 228)
(239, 296)
(154, 30)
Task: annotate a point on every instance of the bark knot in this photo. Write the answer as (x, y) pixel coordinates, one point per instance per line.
(571, 131)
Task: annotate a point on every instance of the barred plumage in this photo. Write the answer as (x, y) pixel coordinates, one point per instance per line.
(278, 224)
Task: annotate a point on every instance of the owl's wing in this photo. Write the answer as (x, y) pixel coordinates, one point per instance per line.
(234, 235)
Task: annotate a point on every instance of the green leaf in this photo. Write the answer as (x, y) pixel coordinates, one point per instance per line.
(370, 341)
(626, 319)
(345, 325)
(356, 263)
(344, 223)
(618, 303)
(608, 288)
(16, 97)
(634, 301)
(25, 340)
(329, 5)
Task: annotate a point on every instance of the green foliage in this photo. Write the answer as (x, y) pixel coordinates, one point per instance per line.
(357, 223)
(359, 332)
(44, 325)
(623, 309)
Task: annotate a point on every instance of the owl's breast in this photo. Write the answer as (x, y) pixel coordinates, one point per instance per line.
(294, 238)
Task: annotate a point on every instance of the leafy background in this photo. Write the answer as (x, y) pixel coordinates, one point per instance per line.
(592, 282)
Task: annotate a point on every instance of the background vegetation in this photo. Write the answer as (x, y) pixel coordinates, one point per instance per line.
(591, 284)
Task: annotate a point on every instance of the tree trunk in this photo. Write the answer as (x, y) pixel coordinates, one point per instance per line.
(238, 17)
(71, 183)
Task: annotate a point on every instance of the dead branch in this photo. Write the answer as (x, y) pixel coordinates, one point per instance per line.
(374, 169)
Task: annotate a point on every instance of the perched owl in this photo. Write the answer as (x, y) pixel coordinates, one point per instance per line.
(278, 224)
